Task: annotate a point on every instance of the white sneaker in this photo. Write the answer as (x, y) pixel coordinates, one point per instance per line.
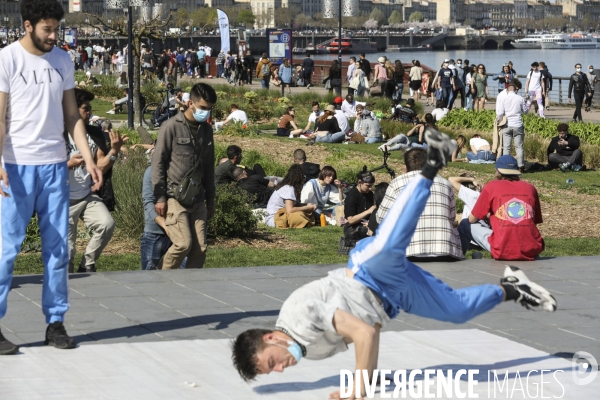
(110, 112)
(291, 136)
(532, 295)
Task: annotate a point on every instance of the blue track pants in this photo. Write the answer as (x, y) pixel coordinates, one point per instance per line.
(380, 263)
(43, 189)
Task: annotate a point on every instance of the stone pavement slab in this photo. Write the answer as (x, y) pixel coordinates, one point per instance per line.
(162, 307)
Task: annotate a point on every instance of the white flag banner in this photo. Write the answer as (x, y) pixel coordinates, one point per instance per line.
(224, 28)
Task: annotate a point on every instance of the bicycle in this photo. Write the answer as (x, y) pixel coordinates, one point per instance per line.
(346, 187)
(149, 111)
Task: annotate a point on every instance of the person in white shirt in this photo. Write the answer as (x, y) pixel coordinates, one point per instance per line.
(349, 106)
(312, 118)
(36, 75)
(236, 115)
(350, 74)
(480, 149)
(440, 110)
(534, 87)
(323, 191)
(513, 107)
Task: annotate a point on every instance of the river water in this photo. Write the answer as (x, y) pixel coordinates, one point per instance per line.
(559, 62)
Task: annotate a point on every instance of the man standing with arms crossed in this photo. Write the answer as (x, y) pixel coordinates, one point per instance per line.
(184, 145)
(36, 75)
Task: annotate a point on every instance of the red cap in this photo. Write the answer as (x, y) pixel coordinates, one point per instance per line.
(338, 100)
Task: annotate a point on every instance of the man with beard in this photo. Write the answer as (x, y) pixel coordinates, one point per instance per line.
(35, 75)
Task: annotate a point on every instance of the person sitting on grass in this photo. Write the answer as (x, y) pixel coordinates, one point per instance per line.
(359, 206)
(456, 154)
(405, 113)
(327, 128)
(367, 125)
(323, 191)
(284, 210)
(440, 110)
(260, 187)
(312, 118)
(514, 212)
(416, 135)
(287, 125)
(236, 115)
(224, 171)
(118, 104)
(352, 304)
(563, 150)
(310, 170)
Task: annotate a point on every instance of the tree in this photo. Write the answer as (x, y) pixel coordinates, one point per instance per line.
(181, 18)
(286, 15)
(301, 21)
(370, 24)
(203, 17)
(246, 17)
(416, 17)
(378, 16)
(395, 18)
(141, 29)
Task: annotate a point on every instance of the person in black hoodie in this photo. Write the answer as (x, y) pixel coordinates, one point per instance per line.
(579, 85)
(311, 170)
(563, 151)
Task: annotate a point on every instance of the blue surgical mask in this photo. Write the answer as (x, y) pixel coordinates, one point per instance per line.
(591, 70)
(294, 349)
(201, 115)
(578, 70)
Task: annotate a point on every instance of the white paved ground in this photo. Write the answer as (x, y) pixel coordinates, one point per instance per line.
(201, 369)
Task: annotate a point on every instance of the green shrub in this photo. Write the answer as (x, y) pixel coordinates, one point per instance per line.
(33, 242)
(233, 214)
(127, 184)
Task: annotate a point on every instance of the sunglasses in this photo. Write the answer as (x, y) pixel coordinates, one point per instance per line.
(86, 108)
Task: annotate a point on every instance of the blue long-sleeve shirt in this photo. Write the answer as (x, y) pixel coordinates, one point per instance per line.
(148, 200)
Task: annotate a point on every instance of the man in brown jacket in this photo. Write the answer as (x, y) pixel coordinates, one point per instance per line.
(182, 142)
(263, 71)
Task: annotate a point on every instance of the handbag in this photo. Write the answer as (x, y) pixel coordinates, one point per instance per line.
(354, 83)
(375, 90)
(328, 84)
(357, 138)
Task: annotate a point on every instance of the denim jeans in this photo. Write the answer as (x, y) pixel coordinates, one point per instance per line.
(373, 140)
(331, 138)
(220, 69)
(153, 247)
(485, 155)
(447, 95)
(264, 83)
(398, 93)
(517, 133)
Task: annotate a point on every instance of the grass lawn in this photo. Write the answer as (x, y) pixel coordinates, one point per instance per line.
(321, 249)
(100, 107)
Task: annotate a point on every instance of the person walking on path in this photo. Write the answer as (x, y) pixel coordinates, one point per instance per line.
(535, 87)
(350, 74)
(579, 86)
(34, 154)
(479, 88)
(308, 65)
(185, 152)
(593, 80)
(263, 71)
(285, 74)
(415, 75)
